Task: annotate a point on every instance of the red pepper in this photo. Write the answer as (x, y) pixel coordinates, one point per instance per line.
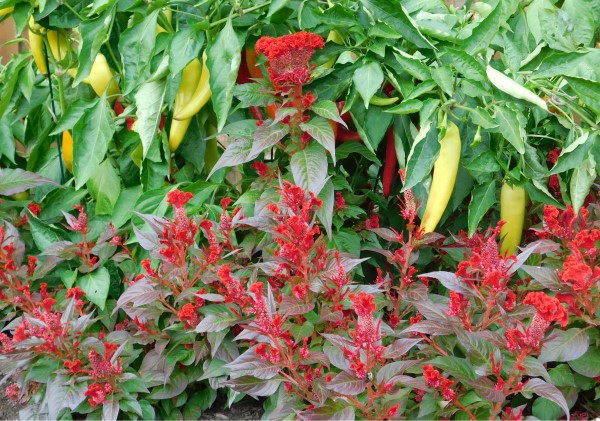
(243, 73)
(391, 162)
(256, 113)
(345, 135)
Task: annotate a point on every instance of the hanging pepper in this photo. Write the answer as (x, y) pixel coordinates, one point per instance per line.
(169, 16)
(6, 10)
(200, 96)
(512, 211)
(334, 37)
(67, 150)
(391, 162)
(101, 76)
(190, 77)
(36, 45)
(445, 169)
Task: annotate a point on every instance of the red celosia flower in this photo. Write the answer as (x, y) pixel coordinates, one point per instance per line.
(98, 393)
(73, 366)
(178, 199)
(264, 321)
(189, 315)
(12, 392)
(289, 57)
(75, 292)
(432, 376)
(366, 331)
(261, 168)
(308, 100)
(393, 411)
(80, 224)
(103, 368)
(34, 208)
(340, 203)
(576, 272)
(549, 308)
(372, 222)
(553, 156)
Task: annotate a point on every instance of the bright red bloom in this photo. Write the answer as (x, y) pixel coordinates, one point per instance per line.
(576, 272)
(34, 208)
(261, 168)
(549, 308)
(432, 376)
(73, 366)
(340, 203)
(12, 392)
(553, 156)
(75, 292)
(178, 199)
(189, 315)
(97, 393)
(289, 56)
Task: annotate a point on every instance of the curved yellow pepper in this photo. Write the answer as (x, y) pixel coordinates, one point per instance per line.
(512, 211)
(444, 177)
(199, 98)
(67, 150)
(190, 77)
(6, 10)
(36, 44)
(101, 77)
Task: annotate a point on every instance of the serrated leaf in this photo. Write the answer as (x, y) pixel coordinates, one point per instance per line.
(309, 168)
(91, 136)
(224, 58)
(482, 199)
(368, 79)
(320, 130)
(253, 94)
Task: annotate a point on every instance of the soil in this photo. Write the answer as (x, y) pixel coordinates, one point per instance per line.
(9, 410)
(246, 409)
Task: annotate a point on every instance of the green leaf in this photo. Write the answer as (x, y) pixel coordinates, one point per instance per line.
(545, 409)
(93, 34)
(562, 376)
(96, 285)
(347, 148)
(7, 143)
(414, 67)
(301, 332)
(587, 364)
(393, 13)
(44, 235)
(72, 115)
(320, 130)
(224, 58)
(584, 64)
(444, 79)
(588, 91)
(105, 187)
(309, 168)
(458, 367)
(184, 47)
(565, 345)
(368, 79)
(325, 212)
(406, 107)
(581, 181)
(91, 136)
(510, 127)
(573, 155)
(199, 402)
(328, 110)
(464, 63)
(422, 155)
(277, 5)
(482, 199)
(482, 118)
(253, 94)
(548, 391)
(484, 33)
(582, 27)
(136, 45)
(10, 79)
(149, 100)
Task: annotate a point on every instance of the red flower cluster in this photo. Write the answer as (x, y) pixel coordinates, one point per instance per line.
(289, 57)
(266, 324)
(434, 379)
(97, 393)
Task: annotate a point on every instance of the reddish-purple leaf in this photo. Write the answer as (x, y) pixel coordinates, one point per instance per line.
(393, 369)
(291, 306)
(451, 281)
(16, 180)
(400, 347)
(331, 412)
(253, 386)
(347, 383)
(548, 391)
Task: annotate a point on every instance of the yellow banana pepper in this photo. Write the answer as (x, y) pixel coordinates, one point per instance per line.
(199, 98)
(101, 77)
(445, 169)
(189, 81)
(512, 211)
(67, 150)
